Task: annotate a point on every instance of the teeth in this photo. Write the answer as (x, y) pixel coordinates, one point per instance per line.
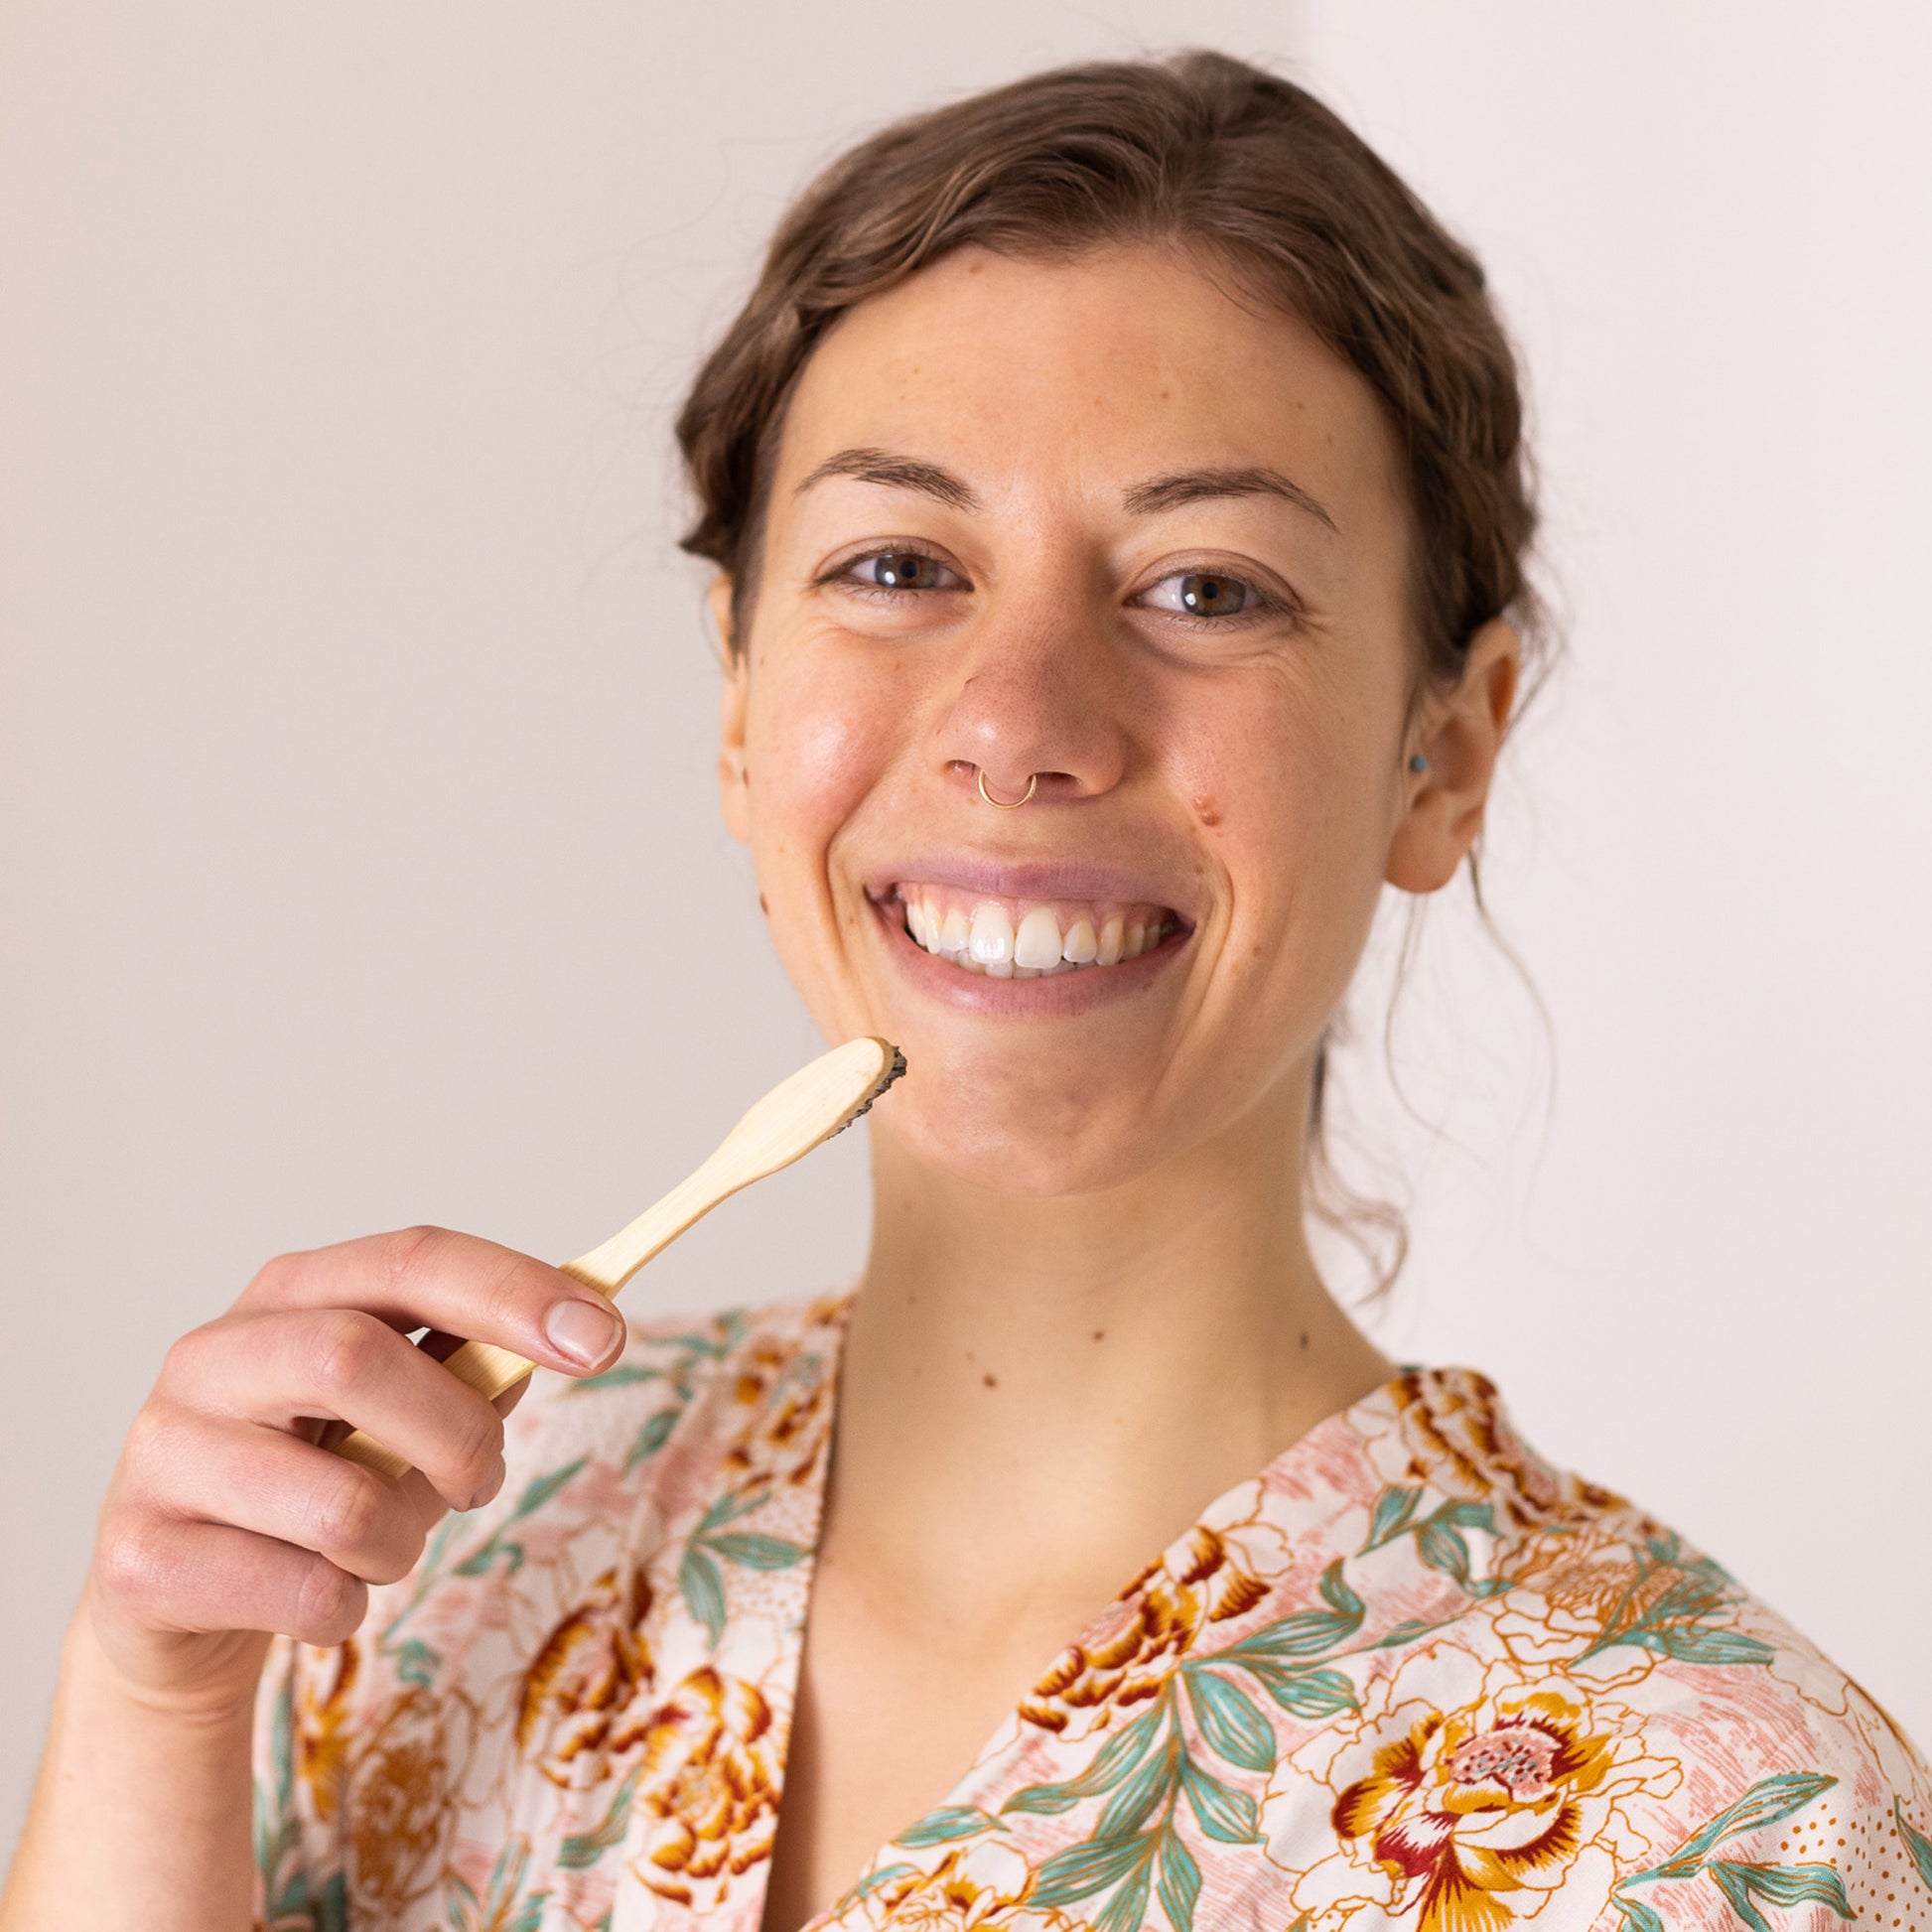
(1038, 944)
(991, 939)
(985, 939)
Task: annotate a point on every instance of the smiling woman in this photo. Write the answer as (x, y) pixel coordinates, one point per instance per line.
(1117, 494)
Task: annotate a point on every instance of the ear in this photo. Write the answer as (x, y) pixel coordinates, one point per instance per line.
(1460, 736)
(735, 698)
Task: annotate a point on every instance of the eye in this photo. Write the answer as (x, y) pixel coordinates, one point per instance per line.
(899, 570)
(1205, 594)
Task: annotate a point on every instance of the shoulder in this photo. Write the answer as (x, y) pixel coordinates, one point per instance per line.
(1607, 1672)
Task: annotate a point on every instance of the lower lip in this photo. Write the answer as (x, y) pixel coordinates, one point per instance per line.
(1054, 996)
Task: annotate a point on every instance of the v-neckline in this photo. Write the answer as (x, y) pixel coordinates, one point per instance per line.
(1309, 1446)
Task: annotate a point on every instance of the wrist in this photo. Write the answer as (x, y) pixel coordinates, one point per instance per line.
(196, 1684)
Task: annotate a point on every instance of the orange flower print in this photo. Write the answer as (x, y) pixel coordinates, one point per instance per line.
(401, 1803)
(591, 1667)
(321, 1734)
(783, 1396)
(1450, 1431)
(1122, 1658)
(969, 1884)
(709, 1785)
(983, 1883)
(1470, 1819)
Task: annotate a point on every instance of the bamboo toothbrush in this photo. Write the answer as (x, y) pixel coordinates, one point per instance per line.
(818, 1101)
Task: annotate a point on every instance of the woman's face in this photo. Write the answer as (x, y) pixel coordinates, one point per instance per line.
(1094, 525)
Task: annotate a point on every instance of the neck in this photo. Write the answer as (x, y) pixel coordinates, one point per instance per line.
(1150, 1345)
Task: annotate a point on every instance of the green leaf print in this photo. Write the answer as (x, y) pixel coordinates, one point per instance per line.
(1180, 1881)
(1083, 1870)
(539, 1492)
(651, 1438)
(728, 1509)
(582, 1849)
(1230, 1726)
(756, 1551)
(625, 1375)
(885, 1873)
(1390, 1517)
(949, 1822)
(1767, 1802)
(1128, 1906)
(416, 1661)
(1681, 1621)
(702, 1587)
(1915, 1841)
(1637, 1916)
(1304, 1693)
(1307, 1632)
(1224, 1814)
(1777, 1884)
(1116, 1758)
(1139, 1795)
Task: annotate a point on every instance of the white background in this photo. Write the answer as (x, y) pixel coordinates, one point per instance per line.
(360, 864)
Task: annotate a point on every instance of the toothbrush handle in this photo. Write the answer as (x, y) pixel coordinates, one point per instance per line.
(489, 1370)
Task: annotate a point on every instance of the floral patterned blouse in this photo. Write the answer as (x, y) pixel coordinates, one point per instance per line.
(1408, 1676)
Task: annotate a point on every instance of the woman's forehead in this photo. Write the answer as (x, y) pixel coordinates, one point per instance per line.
(1121, 364)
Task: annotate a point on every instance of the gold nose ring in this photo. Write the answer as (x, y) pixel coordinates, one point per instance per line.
(1008, 804)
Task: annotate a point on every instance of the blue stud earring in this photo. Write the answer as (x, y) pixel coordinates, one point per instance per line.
(1417, 763)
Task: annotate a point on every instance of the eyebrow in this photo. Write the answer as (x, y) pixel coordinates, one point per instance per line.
(1195, 486)
(897, 473)
(1149, 498)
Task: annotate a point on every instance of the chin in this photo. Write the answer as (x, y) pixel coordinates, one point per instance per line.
(1038, 1152)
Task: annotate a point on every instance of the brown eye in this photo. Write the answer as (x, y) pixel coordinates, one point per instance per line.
(905, 570)
(1205, 595)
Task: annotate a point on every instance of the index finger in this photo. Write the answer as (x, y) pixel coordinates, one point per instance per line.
(459, 1284)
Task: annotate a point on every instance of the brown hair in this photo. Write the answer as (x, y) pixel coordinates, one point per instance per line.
(1258, 178)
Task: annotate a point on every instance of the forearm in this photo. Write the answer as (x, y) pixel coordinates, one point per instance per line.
(141, 1815)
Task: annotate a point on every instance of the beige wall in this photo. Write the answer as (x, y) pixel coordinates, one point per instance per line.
(359, 860)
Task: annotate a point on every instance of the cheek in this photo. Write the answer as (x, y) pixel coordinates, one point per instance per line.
(815, 746)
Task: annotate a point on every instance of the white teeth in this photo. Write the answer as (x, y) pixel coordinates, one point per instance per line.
(991, 939)
(986, 942)
(1038, 944)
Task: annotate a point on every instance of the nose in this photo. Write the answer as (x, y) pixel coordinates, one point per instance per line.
(1036, 698)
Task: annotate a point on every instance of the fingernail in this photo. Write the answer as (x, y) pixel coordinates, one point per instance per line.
(491, 1484)
(582, 1331)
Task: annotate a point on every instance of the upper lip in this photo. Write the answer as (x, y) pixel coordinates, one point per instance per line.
(1029, 879)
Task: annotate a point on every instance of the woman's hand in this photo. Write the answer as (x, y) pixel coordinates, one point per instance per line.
(225, 1521)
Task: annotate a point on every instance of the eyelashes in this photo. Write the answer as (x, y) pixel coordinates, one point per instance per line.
(1193, 596)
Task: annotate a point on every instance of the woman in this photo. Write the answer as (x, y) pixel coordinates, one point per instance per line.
(1115, 487)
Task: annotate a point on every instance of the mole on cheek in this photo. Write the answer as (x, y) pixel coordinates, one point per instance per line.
(1206, 812)
(763, 906)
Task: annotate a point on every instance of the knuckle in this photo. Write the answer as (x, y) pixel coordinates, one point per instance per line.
(328, 1603)
(347, 1510)
(404, 1256)
(130, 1563)
(475, 1439)
(187, 1355)
(269, 1284)
(347, 1346)
(154, 1439)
